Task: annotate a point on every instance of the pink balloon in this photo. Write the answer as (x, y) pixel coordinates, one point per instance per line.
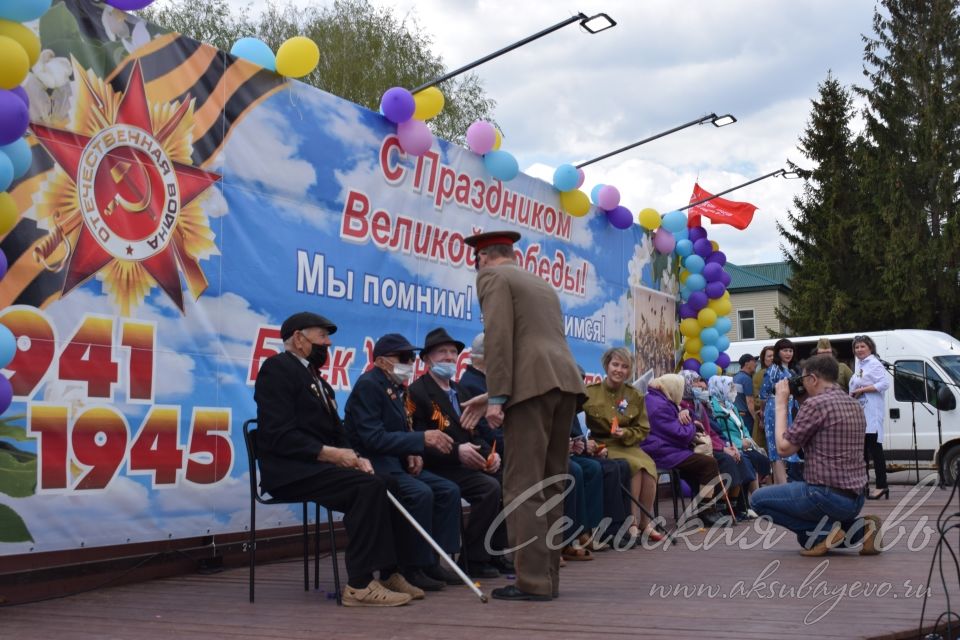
(581, 178)
(481, 136)
(663, 241)
(608, 198)
(415, 137)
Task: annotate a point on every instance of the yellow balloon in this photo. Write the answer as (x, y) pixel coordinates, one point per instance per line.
(713, 243)
(693, 345)
(689, 327)
(684, 274)
(27, 39)
(498, 140)
(15, 65)
(575, 202)
(8, 213)
(297, 57)
(429, 103)
(720, 306)
(707, 317)
(649, 219)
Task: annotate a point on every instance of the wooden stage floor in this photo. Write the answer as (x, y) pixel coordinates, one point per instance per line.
(626, 594)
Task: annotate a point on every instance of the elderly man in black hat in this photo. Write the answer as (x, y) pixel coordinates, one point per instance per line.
(471, 463)
(304, 455)
(380, 428)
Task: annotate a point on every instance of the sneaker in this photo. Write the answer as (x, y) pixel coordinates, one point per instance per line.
(419, 579)
(442, 574)
(396, 582)
(374, 595)
(834, 538)
(871, 531)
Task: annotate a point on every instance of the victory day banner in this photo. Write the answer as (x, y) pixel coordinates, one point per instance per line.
(180, 205)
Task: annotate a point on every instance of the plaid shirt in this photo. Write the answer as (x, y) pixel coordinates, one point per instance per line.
(830, 427)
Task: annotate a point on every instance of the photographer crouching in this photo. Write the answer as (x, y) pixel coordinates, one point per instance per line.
(823, 511)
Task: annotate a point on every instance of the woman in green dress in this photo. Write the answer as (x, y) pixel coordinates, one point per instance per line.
(617, 418)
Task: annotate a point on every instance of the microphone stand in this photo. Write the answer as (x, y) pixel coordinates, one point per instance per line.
(892, 370)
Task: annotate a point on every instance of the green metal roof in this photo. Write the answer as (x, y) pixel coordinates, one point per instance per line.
(757, 277)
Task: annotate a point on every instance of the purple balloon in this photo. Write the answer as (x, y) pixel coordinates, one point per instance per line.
(691, 364)
(718, 257)
(6, 393)
(14, 117)
(697, 233)
(702, 247)
(22, 94)
(723, 360)
(663, 241)
(725, 279)
(687, 311)
(128, 5)
(711, 271)
(397, 105)
(3, 263)
(714, 290)
(698, 300)
(620, 217)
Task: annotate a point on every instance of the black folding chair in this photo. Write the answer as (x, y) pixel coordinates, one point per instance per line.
(250, 440)
(676, 491)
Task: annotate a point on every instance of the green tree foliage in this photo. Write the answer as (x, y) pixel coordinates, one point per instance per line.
(363, 51)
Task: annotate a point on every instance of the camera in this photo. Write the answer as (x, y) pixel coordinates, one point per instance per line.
(796, 386)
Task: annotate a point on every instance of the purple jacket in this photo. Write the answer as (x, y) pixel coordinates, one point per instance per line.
(669, 441)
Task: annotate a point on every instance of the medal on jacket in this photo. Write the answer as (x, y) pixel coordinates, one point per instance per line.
(614, 425)
(438, 418)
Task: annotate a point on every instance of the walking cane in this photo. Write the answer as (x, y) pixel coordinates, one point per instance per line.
(433, 543)
(653, 520)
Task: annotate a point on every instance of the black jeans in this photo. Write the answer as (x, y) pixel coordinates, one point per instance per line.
(874, 449)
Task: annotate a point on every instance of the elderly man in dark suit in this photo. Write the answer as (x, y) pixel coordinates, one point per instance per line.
(304, 455)
(533, 386)
(470, 464)
(379, 427)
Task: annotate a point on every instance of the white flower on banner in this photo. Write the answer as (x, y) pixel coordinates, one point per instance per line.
(48, 87)
(117, 28)
(642, 256)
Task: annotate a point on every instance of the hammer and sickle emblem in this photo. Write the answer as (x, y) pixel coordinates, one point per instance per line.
(120, 173)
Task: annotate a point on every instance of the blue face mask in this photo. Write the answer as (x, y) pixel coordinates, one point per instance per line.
(701, 395)
(445, 370)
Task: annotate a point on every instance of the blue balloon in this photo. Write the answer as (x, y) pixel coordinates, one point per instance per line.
(685, 292)
(595, 194)
(501, 165)
(684, 248)
(723, 325)
(696, 282)
(20, 156)
(256, 51)
(694, 264)
(708, 370)
(566, 177)
(23, 10)
(6, 172)
(682, 235)
(674, 221)
(709, 336)
(8, 346)
(723, 342)
(709, 353)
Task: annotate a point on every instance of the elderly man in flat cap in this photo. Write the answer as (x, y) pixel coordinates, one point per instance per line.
(379, 427)
(533, 386)
(304, 455)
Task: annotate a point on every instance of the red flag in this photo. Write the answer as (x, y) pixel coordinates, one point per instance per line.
(719, 210)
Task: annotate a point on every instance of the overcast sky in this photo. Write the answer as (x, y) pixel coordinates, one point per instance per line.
(571, 96)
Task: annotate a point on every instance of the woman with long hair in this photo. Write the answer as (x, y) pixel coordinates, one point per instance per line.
(868, 385)
(763, 363)
(782, 368)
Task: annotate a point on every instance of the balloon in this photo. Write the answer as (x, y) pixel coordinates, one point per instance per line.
(697, 233)
(707, 317)
(481, 136)
(687, 311)
(693, 264)
(129, 5)
(581, 176)
(708, 370)
(299, 55)
(702, 248)
(663, 241)
(21, 93)
(620, 217)
(723, 343)
(725, 278)
(256, 51)
(429, 103)
(6, 172)
(595, 194)
(497, 139)
(709, 336)
(711, 271)
(689, 327)
(501, 165)
(720, 306)
(608, 198)
(684, 293)
(15, 65)
(693, 345)
(3, 263)
(8, 213)
(698, 300)
(20, 156)
(696, 282)
(714, 245)
(723, 325)
(718, 257)
(709, 353)
(675, 221)
(397, 103)
(681, 235)
(691, 364)
(25, 37)
(8, 346)
(415, 137)
(684, 274)
(575, 202)
(649, 219)
(714, 289)
(684, 247)
(565, 177)
(23, 10)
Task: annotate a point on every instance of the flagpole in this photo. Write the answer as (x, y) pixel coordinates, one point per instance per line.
(778, 172)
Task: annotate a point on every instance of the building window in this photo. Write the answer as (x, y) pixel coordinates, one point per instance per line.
(746, 323)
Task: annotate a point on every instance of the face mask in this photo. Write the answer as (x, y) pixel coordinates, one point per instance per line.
(732, 395)
(402, 372)
(700, 395)
(444, 370)
(318, 355)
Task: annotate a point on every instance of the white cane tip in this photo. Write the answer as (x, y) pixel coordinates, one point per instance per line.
(483, 599)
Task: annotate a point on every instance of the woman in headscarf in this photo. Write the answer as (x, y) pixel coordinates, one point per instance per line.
(671, 440)
(782, 368)
(868, 385)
